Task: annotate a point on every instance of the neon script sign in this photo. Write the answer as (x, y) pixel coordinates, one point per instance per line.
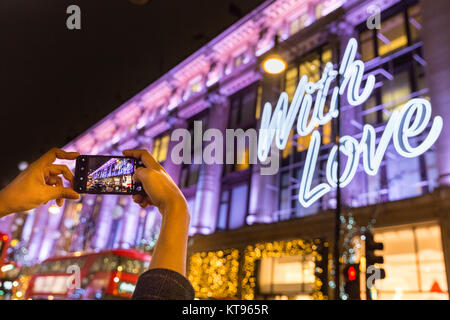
(403, 125)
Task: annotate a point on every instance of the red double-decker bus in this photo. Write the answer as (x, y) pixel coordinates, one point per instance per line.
(110, 274)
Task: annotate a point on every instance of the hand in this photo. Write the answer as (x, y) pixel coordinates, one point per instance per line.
(171, 248)
(161, 191)
(39, 183)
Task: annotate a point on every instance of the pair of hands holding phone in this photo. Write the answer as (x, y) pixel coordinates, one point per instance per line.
(42, 181)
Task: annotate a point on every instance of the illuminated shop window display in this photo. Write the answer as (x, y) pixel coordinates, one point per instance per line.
(414, 263)
(271, 270)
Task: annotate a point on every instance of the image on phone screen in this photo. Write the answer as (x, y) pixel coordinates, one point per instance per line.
(105, 175)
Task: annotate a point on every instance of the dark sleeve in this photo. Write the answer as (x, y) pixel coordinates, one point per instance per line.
(163, 284)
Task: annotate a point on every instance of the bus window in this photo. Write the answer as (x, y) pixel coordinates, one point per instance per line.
(105, 263)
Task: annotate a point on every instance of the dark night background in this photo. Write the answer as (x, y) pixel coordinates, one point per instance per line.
(56, 83)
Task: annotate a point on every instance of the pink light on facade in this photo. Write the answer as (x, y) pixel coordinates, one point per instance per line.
(128, 115)
(244, 34)
(85, 143)
(105, 130)
(192, 69)
(156, 94)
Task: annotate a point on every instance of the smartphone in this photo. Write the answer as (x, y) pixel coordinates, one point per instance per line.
(106, 175)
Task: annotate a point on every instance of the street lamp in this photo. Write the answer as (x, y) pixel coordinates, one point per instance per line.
(274, 64)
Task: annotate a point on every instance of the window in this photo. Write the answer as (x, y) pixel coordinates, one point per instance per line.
(397, 31)
(414, 23)
(399, 79)
(312, 65)
(160, 147)
(298, 24)
(290, 275)
(190, 171)
(233, 207)
(392, 34)
(294, 155)
(414, 263)
(243, 108)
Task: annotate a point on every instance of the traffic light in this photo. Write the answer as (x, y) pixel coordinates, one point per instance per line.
(351, 282)
(321, 267)
(373, 273)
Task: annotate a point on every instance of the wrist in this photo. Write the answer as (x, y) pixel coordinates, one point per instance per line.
(178, 208)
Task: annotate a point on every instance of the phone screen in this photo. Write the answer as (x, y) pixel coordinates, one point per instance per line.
(106, 175)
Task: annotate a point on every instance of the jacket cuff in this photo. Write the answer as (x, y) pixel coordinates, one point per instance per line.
(163, 284)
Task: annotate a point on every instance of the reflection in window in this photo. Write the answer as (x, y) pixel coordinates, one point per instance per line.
(310, 67)
(414, 22)
(291, 81)
(392, 34)
(400, 30)
(367, 45)
(160, 146)
(395, 93)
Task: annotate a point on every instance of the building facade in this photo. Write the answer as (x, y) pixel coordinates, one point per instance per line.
(250, 236)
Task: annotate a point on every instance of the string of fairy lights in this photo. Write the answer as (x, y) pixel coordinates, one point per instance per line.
(217, 274)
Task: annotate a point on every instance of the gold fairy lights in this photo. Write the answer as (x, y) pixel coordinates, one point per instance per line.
(214, 274)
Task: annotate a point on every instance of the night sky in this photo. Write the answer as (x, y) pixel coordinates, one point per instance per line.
(56, 83)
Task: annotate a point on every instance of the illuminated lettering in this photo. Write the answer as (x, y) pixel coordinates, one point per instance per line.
(403, 126)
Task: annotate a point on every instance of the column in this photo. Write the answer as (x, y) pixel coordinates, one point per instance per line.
(263, 200)
(104, 221)
(436, 23)
(174, 170)
(129, 225)
(207, 197)
(52, 232)
(78, 237)
(37, 233)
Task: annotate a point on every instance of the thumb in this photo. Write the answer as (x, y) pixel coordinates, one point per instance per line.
(139, 175)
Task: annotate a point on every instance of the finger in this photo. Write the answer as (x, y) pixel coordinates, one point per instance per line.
(145, 156)
(140, 200)
(56, 169)
(54, 181)
(60, 192)
(58, 183)
(53, 154)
